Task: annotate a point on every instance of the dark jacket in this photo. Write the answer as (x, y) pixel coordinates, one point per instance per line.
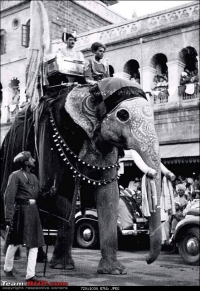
(26, 227)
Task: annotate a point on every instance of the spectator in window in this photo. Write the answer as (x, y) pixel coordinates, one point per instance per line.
(155, 82)
(194, 76)
(95, 69)
(185, 77)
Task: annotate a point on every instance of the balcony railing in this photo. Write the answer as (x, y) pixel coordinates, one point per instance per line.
(160, 96)
(184, 94)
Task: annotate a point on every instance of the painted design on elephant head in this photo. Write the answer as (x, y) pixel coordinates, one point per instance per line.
(133, 120)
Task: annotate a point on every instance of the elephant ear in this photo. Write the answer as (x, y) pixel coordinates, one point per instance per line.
(81, 106)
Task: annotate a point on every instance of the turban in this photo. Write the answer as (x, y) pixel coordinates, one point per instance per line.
(66, 35)
(181, 187)
(190, 180)
(112, 91)
(22, 157)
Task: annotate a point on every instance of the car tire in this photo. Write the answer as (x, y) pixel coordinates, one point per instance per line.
(190, 237)
(82, 239)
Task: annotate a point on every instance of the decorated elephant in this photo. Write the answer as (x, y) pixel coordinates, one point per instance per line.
(79, 135)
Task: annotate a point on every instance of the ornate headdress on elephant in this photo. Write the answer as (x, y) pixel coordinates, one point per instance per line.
(88, 105)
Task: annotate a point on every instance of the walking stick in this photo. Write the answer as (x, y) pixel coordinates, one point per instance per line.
(47, 245)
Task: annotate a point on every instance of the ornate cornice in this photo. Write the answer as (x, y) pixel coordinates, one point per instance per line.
(163, 20)
(6, 4)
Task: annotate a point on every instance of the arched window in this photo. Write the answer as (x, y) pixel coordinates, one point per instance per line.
(159, 62)
(26, 34)
(3, 41)
(189, 80)
(160, 80)
(188, 56)
(132, 68)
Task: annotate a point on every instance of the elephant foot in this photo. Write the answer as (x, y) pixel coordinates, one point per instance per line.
(59, 264)
(111, 268)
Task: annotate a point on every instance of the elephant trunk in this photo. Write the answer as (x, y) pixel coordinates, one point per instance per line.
(152, 159)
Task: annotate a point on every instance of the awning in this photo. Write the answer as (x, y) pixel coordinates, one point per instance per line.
(180, 153)
(174, 153)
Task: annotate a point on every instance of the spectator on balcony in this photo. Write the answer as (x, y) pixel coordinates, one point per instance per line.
(185, 77)
(95, 69)
(194, 76)
(136, 78)
(160, 88)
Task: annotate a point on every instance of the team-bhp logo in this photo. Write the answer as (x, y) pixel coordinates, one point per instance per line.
(45, 283)
(31, 283)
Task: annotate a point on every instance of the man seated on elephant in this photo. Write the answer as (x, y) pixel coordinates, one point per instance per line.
(74, 67)
(95, 69)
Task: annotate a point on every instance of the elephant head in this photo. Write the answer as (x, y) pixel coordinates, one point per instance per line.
(116, 114)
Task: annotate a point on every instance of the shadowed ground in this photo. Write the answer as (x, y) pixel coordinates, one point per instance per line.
(168, 270)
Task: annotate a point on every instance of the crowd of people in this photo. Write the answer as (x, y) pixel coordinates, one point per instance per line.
(189, 78)
(160, 88)
(186, 196)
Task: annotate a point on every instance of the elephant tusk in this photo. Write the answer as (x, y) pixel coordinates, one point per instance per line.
(141, 164)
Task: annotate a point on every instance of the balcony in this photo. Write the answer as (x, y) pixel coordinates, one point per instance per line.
(160, 95)
(185, 95)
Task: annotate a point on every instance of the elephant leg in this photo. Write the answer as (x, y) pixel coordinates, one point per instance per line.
(107, 198)
(62, 254)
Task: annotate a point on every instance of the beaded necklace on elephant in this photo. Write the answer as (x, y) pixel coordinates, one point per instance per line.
(61, 144)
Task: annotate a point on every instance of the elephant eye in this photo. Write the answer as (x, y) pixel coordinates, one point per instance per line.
(123, 115)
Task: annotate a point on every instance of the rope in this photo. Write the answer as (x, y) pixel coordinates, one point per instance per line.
(159, 227)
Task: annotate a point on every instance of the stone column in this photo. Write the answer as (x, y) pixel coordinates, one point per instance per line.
(175, 69)
(122, 75)
(148, 74)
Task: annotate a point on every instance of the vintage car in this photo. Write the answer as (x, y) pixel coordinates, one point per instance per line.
(86, 228)
(186, 236)
(87, 234)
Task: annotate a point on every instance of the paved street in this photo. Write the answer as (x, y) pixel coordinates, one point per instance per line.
(168, 270)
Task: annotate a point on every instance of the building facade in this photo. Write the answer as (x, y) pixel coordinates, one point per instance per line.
(160, 45)
(79, 16)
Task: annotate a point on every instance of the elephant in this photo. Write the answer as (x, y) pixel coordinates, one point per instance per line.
(79, 134)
